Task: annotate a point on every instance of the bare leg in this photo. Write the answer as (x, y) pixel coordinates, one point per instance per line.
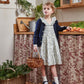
(44, 75)
(53, 70)
(43, 70)
(54, 73)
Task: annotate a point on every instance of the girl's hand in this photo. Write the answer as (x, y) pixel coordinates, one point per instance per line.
(35, 48)
(69, 28)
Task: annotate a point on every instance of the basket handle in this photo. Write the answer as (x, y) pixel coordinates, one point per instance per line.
(37, 52)
(11, 69)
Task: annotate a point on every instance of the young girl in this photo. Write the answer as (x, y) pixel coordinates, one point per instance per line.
(46, 38)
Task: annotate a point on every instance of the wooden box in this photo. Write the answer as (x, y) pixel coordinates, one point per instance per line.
(21, 27)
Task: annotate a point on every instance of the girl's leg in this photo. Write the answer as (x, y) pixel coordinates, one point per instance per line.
(43, 70)
(54, 73)
(44, 74)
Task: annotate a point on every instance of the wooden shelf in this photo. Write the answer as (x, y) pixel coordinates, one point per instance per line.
(71, 6)
(72, 33)
(67, 33)
(24, 33)
(4, 2)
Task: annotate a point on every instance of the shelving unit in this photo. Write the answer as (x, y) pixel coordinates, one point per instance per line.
(26, 19)
(16, 32)
(70, 4)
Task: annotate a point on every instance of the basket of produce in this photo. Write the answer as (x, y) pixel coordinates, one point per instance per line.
(12, 74)
(76, 27)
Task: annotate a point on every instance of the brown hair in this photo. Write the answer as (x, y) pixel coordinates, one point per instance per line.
(51, 5)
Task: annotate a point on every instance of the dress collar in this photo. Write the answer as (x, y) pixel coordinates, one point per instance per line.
(46, 23)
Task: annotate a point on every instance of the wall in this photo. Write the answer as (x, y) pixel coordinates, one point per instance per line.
(7, 19)
(70, 14)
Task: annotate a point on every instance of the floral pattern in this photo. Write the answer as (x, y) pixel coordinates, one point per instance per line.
(72, 51)
(50, 52)
(71, 71)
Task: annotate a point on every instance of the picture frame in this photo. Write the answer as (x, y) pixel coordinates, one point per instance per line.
(4, 1)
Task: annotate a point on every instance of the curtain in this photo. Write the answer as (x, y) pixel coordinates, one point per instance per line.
(23, 46)
(72, 52)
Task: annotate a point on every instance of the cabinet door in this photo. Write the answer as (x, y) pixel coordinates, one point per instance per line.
(65, 2)
(76, 1)
(71, 2)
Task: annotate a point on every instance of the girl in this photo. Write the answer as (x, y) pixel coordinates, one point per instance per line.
(46, 39)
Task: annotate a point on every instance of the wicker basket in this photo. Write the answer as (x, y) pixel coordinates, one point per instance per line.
(17, 80)
(35, 62)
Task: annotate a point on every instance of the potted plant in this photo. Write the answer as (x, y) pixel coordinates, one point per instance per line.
(12, 74)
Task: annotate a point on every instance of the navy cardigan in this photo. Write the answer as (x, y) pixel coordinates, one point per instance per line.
(40, 26)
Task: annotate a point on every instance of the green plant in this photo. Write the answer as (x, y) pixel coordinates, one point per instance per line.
(57, 3)
(8, 70)
(38, 11)
(79, 24)
(26, 6)
(24, 3)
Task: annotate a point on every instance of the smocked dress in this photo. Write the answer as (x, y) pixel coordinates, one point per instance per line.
(49, 49)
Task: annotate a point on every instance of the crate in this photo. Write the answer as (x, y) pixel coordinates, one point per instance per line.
(21, 27)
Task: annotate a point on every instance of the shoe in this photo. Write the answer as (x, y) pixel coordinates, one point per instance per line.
(45, 82)
(53, 82)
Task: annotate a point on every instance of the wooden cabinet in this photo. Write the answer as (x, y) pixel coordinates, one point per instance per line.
(4, 1)
(71, 3)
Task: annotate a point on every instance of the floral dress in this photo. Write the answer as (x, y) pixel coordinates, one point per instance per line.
(49, 49)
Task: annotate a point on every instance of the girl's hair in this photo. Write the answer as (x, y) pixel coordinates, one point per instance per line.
(51, 5)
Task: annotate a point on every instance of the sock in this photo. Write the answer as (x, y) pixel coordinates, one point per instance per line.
(56, 80)
(44, 78)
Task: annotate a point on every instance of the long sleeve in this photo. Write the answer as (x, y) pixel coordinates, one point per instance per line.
(59, 27)
(36, 33)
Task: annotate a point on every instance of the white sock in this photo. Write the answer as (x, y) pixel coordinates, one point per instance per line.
(56, 80)
(44, 78)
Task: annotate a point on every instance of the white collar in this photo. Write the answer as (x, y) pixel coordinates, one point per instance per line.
(46, 23)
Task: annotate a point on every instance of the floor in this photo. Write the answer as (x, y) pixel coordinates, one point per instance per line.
(34, 83)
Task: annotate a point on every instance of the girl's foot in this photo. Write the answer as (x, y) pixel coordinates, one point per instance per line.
(45, 82)
(53, 82)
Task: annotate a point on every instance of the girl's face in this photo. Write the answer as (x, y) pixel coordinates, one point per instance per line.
(47, 10)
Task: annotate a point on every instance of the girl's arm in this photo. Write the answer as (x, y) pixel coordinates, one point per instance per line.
(36, 33)
(59, 27)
